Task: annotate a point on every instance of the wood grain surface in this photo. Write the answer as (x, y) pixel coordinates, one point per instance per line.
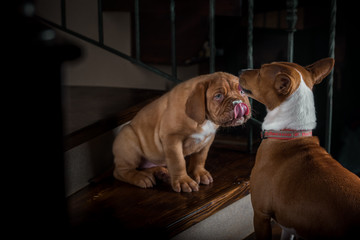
(108, 206)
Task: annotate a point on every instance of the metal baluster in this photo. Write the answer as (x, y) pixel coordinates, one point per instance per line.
(137, 30)
(291, 19)
(100, 23)
(212, 35)
(330, 82)
(250, 62)
(173, 41)
(62, 27)
(63, 14)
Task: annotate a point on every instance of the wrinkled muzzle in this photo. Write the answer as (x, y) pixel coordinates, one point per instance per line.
(240, 109)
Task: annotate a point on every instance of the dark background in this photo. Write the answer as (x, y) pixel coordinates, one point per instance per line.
(32, 91)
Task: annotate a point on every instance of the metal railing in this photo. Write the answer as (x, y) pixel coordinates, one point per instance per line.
(291, 21)
(329, 105)
(100, 41)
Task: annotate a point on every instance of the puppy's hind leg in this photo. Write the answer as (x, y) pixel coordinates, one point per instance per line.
(160, 173)
(127, 158)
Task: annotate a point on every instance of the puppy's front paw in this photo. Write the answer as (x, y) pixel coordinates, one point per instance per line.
(202, 176)
(184, 183)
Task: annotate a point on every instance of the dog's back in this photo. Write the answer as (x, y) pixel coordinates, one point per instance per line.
(313, 193)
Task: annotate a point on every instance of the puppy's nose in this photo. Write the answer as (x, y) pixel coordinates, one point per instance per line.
(236, 102)
(240, 109)
(244, 70)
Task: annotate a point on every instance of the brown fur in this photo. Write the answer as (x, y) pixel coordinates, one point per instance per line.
(161, 133)
(301, 186)
(296, 182)
(274, 82)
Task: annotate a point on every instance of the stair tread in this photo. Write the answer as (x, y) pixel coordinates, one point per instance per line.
(112, 205)
(91, 111)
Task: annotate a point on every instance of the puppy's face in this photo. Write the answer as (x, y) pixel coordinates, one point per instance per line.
(223, 102)
(227, 104)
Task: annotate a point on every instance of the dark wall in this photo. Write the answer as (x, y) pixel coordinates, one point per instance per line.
(310, 44)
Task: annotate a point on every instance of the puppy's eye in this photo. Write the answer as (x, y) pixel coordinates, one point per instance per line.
(240, 90)
(218, 97)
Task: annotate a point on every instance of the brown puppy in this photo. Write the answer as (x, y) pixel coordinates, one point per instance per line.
(180, 123)
(294, 180)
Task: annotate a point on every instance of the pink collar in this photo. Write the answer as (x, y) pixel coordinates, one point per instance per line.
(285, 134)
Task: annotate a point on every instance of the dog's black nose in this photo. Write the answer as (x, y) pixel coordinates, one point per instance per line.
(243, 70)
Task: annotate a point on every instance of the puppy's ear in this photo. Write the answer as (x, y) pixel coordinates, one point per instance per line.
(320, 69)
(283, 83)
(196, 104)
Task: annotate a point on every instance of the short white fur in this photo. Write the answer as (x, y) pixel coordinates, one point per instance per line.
(296, 112)
(208, 129)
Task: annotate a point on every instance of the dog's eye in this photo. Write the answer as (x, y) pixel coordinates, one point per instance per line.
(246, 91)
(218, 96)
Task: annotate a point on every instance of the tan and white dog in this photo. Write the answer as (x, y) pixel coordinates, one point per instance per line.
(181, 123)
(294, 180)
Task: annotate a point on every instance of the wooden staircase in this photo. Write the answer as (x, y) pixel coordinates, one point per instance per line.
(108, 205)
(99, 204)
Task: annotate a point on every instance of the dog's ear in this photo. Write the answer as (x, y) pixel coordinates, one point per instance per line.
(196, 104)
(320, 69)
(283, 83)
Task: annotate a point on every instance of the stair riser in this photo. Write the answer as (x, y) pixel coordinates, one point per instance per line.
(233, 222)
(87, 161)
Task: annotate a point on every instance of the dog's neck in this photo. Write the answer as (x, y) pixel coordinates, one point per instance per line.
(296, 112)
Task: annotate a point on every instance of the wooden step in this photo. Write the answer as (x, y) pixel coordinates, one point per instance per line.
(91, 111)
(108, 206)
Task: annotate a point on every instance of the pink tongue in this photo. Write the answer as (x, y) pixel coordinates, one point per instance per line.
(240, 110)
